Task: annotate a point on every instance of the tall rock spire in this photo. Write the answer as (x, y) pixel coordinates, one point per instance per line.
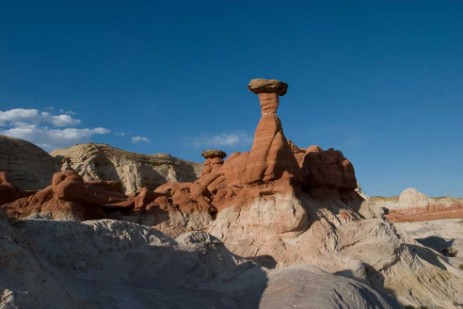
(271, 156)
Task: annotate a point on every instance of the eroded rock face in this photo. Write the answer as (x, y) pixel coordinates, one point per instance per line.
(67, 185)
(413, 206)
(412, 198)
(133, 171)
(67, 198)
(28, 166)
(214, 161)
(327, 168)
(281, 205)
(270, 157)
(261, 85)
(122, 264)
(274, 169)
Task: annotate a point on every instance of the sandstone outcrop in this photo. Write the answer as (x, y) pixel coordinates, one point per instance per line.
(412, 205)
(68, 198)
(281, 205)
(28, 166)
(275, 169)
(117, 264)
(270, 157)
(134, 171)
(327, 168)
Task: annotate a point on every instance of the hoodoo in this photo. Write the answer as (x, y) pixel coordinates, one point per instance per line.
(270, 157)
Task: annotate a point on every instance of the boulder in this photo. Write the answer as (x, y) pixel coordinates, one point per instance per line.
(412, 198)
(327, 168)
(261, 85)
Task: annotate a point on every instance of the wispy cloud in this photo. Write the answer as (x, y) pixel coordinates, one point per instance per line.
(45, 129)
(222, 140)
(139, 139)
(19, 116)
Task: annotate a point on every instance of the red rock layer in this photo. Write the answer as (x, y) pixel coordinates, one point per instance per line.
(68, 197)
(271, 156)
(273, 165)
(327, 168)
(434, 211)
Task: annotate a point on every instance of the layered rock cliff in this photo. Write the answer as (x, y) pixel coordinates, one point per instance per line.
(27, 165)
(134, 171)
(412, 205)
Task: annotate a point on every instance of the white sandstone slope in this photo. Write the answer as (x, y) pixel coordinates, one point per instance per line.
(134, 171)
(28, 166)
(338, 240)
(436, 223)
(413, 201)
(116, 264)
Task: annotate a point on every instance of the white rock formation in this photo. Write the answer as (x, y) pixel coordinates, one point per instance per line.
(28, 166)
(116, 264)
(338, 240)
(101, 161)
(412, 198)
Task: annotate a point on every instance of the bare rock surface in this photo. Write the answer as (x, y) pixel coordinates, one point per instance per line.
(325, 168)
(414, 206)
(442, 235)
(134, 171)
(28, 166)
(273, 167)
(285, 231)
(116, 264)
(262, 85)
(412, 198)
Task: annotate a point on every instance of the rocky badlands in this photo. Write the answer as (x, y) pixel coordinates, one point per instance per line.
(92, 226)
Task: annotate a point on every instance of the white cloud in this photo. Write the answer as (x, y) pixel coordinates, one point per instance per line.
(138, 139)
(225, 140)
(45, 129)
(20, 116)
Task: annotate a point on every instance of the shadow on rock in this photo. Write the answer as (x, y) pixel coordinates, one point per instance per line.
(117, 264)
(428, 255)
(438, 243)
(266, 261)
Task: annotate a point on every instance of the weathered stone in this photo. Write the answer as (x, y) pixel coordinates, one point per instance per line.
(270, 156)
(261, 85)
(209, 154)
(320, 168)
(133, 171)
(67, 185)
(28, 166)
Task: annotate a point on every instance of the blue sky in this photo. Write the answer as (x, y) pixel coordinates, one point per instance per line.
(380, 80)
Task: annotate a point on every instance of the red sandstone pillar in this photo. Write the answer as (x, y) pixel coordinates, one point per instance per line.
(271, 156)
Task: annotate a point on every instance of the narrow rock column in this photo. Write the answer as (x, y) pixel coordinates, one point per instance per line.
(214, 161)
(271, 156)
